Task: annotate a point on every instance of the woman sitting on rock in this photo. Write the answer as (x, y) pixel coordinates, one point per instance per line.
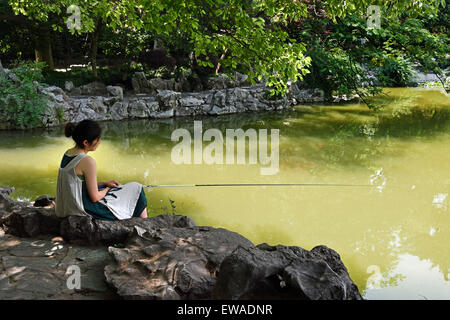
(79, 193)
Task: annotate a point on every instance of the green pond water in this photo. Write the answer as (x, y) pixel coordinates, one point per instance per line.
(393, 237)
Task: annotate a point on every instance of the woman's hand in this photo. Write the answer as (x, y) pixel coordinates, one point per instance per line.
(112, 183)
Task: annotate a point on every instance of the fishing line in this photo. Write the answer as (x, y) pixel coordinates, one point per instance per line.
(256, 185)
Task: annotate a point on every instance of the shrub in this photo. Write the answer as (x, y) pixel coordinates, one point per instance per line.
(20, 102)
(334, 72)
(81, 76)
(396, 72)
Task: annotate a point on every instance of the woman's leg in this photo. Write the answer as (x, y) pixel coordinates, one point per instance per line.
(144, 213)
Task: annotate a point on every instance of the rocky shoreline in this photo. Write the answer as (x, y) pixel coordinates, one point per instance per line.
(165, 257)
(164, 98)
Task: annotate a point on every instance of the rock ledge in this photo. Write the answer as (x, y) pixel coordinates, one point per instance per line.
(165, 257)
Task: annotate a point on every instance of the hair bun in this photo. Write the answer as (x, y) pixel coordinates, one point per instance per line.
(69, 129)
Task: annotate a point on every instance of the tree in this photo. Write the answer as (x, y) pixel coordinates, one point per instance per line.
(93, 16)
(250, 32)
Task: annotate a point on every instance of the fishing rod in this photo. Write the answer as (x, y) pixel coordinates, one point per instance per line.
(256, 185)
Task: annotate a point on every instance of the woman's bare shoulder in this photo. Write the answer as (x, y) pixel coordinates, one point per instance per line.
(87, 161)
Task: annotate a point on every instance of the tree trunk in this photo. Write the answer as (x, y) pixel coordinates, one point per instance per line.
(43, 47)
(220, 59)
(94, 47)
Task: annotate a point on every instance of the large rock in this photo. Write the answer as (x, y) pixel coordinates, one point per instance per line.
(25, 220)
(85, 230)
(6, 203)
(91, 108)
(115, 91)
(69, 86)
(119, 110)
(237, 95)
(168, 99)
(174, 263)
(281, 272)
(28, 221)
(190, 101)
(95, 88)
(37, 269)
(163, 84)
(138, 109)
(221, 81)
(140, 83)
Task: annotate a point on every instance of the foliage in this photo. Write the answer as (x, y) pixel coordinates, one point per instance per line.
(426, 49)
(348, 56)
(250, 33)
(435, 84)
(396, 72)
(22, 105)
(341, 56)
(158, 58)
(83, 75)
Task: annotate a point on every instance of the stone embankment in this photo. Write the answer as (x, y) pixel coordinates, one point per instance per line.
(160, 98)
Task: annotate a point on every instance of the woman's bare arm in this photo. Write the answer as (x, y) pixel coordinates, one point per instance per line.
(89, 169)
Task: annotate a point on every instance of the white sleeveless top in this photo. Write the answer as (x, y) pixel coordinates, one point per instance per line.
(69, 195)
(69, 200)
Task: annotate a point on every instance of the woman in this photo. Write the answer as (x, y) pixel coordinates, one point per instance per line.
(79, 193)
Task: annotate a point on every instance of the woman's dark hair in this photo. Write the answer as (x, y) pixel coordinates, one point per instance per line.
(85, 130)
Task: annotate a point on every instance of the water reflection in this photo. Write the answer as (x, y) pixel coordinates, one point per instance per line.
(411, 278)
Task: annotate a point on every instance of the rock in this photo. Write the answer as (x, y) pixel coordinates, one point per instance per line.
(241, 79)
(30, 222)
(168, 99)
(91, 108)
(44, 201)
(37, 269)
(281, 272)
(158, 84)
(95, 88)
(85, 230)
(189, 111)
(68, 86)
(190, 101)
(119, 110)
(216, 110)
(163, 114)
(420, 77)
(309, 95)
(161, 98)
(115, 91)
(178, 86)
(237, 95)
(221, 81)
(53, 91)
(138, 109)
(175, 263)
(140, 83)
(6, 203)
(219, 98)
